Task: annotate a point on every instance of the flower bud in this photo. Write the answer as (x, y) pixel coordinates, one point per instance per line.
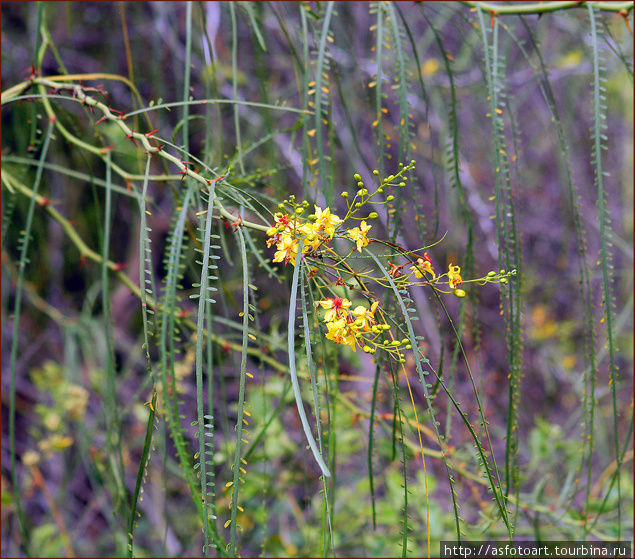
(271, 231)
(390, 198)
(299, 211)
(360, 184)
(375, 172)
(345, 194)
(357, 177)
(402, 184)
(459, 293)
(373, 215)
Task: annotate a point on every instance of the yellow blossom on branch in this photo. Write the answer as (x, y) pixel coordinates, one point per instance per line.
(336, 308)
(326, 222)
(340, 332)
(287, 249)
(358, 234)
(454, 276)
(424, 264)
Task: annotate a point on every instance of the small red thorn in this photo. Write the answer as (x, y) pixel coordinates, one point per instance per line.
(183, 313)
(226, 348)
(82, 261)
(101, 119)
(624, 14)
(220, 178)
(52, 118)
(119, 266)
(129, 137)
(493, 13)
(129, 185)
(106, 149)
(45, 201)
(150, 133)
(209, 181)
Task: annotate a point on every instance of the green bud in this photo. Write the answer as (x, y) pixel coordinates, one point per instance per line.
(360, 184)
(459, 293)
(345, 194)
(502, 272)
(299, 211)
(408, 346)
(358, 205)
(305, 204)
(367, 349)
(362, 192)
(389, 178)
(402, 184)
(271, 231)
(373, 215)
(386, 342)
(491, 274)
(380, 190)
(390, 198)
(375, 172)
(402, 360)
(357, 177)
(395, 343)
(292, 197)
(405, 341)
(503, 280)
(281, 206)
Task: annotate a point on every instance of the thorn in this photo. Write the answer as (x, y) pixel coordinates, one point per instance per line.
(130, 137)
(150, 133)
(119, 266)
(493, 13)
(129, 184)
(101, 119)
(52, 118)
(624, 14)
(82, 261)
(45, 201)
(106, 149)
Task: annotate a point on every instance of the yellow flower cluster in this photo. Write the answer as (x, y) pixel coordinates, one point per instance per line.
(347, 327)
(289, 229)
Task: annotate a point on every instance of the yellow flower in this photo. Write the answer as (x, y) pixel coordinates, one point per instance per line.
(336, 308)
(358, 234)
(365, 317)
(340, 333)
(424, 264)
(326, 221)
(454, 276)
(287, 250)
